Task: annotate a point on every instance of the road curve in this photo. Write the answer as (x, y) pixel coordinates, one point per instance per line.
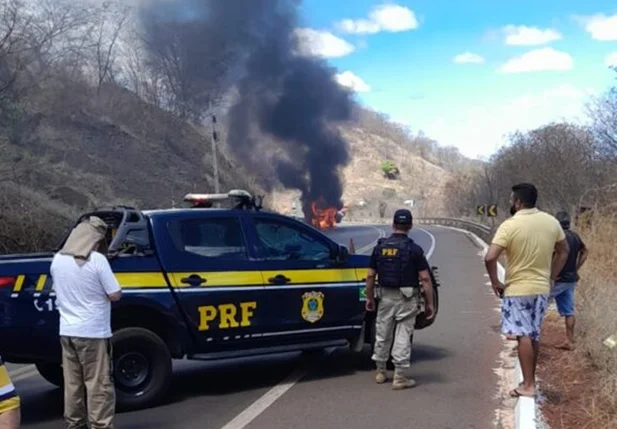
(365, 237)
(453, 364)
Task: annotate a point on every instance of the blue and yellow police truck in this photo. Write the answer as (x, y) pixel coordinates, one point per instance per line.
(204, 283)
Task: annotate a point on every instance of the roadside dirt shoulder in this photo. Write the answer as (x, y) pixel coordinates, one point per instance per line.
(570, 384)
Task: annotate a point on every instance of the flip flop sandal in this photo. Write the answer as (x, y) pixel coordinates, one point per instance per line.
(514, 393)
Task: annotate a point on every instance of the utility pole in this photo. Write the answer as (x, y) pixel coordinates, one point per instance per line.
(214, 139)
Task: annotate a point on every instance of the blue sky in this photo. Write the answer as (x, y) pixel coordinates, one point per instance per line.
(520, 64)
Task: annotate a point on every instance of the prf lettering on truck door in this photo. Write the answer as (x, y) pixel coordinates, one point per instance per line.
(226, 316)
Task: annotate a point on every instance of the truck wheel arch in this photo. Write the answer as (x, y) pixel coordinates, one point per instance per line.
(138, 316)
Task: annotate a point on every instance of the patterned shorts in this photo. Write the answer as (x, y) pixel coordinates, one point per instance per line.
(522, 316)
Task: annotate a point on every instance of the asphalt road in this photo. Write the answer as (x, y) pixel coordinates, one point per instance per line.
(453, 363)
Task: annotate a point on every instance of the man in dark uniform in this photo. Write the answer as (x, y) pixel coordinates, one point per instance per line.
(400, 266)
(563, 288)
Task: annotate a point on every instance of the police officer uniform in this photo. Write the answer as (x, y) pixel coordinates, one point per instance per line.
(397, 261)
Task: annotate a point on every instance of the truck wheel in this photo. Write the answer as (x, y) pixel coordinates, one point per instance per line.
(51, 372)
(141, 368)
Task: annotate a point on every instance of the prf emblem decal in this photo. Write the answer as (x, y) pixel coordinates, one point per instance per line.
(312, 306)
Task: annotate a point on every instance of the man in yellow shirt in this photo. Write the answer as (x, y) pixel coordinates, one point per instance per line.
(10, 415)
(536, 250)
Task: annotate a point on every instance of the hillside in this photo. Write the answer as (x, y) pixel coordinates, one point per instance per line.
(424, 170)
(63, 156)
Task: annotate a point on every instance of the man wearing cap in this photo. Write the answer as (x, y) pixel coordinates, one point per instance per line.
(400, 266)
(85, 286)
(563, 287)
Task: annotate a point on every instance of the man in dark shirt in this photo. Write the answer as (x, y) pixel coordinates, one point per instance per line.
(563, 288)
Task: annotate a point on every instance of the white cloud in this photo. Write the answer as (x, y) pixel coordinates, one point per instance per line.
(524, 36)
(600, 26)
(611, 59)
(350, 80)
(385, 17)
(483, 129)
(546, 59)
(321, 43)
(468, 58)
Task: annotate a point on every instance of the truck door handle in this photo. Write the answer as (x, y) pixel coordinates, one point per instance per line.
(279, 279)
(193, 280)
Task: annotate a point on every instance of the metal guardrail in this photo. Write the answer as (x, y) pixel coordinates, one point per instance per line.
(485, 232)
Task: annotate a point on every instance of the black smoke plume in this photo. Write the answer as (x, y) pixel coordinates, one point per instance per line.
(284, 102)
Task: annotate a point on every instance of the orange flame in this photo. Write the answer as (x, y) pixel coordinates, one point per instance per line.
(323, 218)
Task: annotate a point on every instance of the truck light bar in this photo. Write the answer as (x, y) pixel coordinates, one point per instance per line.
(235, 193)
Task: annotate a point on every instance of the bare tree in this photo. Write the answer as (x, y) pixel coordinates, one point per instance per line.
(192, 62)
(35, 36)
(110, 20)
(603, 112)
(559, 158)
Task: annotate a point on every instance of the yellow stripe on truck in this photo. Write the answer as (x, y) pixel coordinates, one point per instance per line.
(141, 280)
(220, 278)
(318, 275)
(19, 283)
(41, 283)
(155, 280)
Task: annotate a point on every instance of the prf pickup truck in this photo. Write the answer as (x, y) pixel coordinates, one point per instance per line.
(198, 283)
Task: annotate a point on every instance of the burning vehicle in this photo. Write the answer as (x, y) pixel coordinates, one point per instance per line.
(327, 217)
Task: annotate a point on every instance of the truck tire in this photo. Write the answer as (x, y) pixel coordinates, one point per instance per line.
(141, 368)
(51, 372)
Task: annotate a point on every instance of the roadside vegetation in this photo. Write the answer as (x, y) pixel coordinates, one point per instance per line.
(597, 317)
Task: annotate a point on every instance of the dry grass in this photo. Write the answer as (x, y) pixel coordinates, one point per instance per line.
(596, 306)
(581, 386)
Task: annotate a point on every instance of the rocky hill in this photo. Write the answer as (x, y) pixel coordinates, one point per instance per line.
(389, 167)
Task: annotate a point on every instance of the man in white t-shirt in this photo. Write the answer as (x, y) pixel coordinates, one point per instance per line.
(85, 287)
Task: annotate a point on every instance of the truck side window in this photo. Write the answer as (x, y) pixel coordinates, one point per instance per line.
(212, 238)
(137, 239)
(284, 242)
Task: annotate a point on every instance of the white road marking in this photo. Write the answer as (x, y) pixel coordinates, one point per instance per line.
(263, 402)
(431, 249)
(23, 373)
(369, 246)
(17, 372)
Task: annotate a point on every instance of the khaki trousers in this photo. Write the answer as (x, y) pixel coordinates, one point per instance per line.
(394, 308)
(89, 393)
